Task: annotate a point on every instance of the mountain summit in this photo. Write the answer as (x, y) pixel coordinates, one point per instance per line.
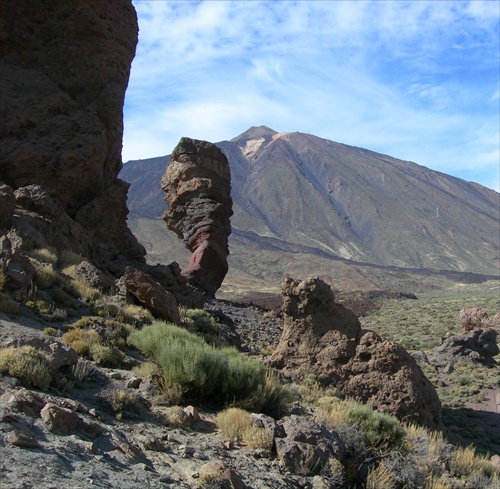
(298, 193)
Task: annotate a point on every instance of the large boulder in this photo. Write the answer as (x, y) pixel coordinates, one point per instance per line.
(307, 447)
(475, 345)
(326, 339)
(197, 186)
(64, 68)
(151, 295)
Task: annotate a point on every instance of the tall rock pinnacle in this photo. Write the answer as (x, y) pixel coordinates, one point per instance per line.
(197, 186)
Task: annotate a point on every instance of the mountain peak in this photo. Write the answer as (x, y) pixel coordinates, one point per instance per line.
(254, 132)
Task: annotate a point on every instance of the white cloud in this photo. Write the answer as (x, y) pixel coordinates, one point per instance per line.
(410, 79)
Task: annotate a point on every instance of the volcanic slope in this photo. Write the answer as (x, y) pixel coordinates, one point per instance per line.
(309, 205)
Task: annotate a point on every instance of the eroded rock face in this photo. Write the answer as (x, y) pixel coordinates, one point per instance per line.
(326, 339)
(197, 186)
(64, 69)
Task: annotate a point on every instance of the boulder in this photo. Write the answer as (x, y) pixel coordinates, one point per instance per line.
(151, 295)
(59, 420)
(307, 446)
(323, 337)
(197, 186)
(476, 345)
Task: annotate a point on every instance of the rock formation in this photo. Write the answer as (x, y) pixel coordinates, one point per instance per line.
(476, 345)
(326, 339)
(472, 318)
(64, 69)
(197, 186)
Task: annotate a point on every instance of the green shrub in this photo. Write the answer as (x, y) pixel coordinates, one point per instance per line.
(50, 331)
(381, 430)
(29, 365)
(202, 370)
(105, 356)
(83, 322)
(185, 358)
(40, 305)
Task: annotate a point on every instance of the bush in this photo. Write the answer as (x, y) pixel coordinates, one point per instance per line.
(50, 331)
(105, 356)
(29, 365)
(3, 280)
(381, 430)
(8, 305)
(256, 437)
(202, 370)
(132, 314)
(234, 422)
(81, 340)
(45, 276)
(45, 255)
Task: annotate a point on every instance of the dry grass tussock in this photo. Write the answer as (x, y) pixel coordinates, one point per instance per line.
(26, 363)
(234, 422)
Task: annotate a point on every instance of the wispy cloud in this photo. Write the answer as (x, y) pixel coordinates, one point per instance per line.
(416, 80)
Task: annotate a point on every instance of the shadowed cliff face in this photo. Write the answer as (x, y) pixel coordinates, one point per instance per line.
(64, 68)
(197, 186)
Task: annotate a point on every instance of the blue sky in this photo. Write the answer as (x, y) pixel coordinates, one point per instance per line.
(417, 80)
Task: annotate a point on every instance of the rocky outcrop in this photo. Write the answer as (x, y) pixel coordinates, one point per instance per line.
(197, 186)
(64, 70)
(325, 338)
(307, 447)
(476, 345)
(472, 318)
(151, 295)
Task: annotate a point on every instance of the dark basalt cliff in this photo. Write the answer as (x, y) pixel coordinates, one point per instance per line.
(64, 68)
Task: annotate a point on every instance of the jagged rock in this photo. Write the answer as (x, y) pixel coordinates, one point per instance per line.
(266, 422)
(93, 276)
(171, 279)
(20, 439)
(65, 68)
(308, 446)
(471, 318)
(323, 337)
(197, 186)
(59, 420)
(151, 295)
(476, 345)
(23, 401)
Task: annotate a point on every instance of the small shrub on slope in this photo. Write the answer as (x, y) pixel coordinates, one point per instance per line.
(26, 363)
(234, 422)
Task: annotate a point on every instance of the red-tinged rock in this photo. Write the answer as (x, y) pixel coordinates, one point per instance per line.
(151, 295)
(197, 186)
(21, 439)
(59, 420)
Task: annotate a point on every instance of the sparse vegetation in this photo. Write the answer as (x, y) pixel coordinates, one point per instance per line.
(8, 305)
(3, 280)
(81, 340)
(255, 437)
(234, 422)
(29, 365)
